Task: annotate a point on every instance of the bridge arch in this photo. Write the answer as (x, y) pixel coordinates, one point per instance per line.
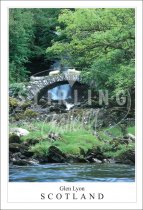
(39, 85)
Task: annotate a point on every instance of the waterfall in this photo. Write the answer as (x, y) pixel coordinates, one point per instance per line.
(68, 105)
(61, 92)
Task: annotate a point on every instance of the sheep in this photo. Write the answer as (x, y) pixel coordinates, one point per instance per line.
(54, 72)
(73, 71)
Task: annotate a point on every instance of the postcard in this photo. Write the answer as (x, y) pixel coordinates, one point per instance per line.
(71, 104)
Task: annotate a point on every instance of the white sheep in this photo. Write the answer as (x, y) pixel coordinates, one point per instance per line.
(73, 71)
(54, 72)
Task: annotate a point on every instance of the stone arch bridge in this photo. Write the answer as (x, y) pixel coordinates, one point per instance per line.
(39, 85)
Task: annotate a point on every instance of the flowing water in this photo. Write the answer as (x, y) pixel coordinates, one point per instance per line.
(60, 92)
(73, 173)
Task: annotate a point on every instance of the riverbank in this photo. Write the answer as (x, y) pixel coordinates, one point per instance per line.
(49, 142)
(49, 133)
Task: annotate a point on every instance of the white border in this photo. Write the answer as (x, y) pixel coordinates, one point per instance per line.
(4, 106)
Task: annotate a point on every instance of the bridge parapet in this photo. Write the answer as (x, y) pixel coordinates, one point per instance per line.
(36, 84)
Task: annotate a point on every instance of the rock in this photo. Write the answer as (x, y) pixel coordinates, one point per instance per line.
(57, 108)
(25, 162)
(14, 147)
(105, 161)
(111, 160)
(34, 162)
(30, 113)
(55, 155)
(31, 142)
(13, 102)
(14, 139)
(130, 136)
(95, 160)
(20, 162)
(54, 136)
(25, 104)
(19, 131)
(16, 156)
(94, 154)
(128, 157)
(43, 102)
(28, 153)
(76, 159)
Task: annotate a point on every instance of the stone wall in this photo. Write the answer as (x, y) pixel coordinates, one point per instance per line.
(38, 85)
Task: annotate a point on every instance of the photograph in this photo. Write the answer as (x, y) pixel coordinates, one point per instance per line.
(72, 94)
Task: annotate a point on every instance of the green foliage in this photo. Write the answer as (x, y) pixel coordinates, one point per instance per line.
(45, 22)
(20, 41)
(72, 141)
(30, 32)
(118, 153)
(30, 113)
(25, 104)
(19, 116)
(13, 102)
(131, 130)
(40, 149)
(18, 89)
(101, 43)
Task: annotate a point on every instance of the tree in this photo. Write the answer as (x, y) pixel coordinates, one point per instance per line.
(20, 40)
(101, 43)
(30, 32)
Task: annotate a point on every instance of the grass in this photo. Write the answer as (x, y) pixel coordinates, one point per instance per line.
(41, 149)
(73, 141)
(120, 151)
(131, 130)
(74, 137)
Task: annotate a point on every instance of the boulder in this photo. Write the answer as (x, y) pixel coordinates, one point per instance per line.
(14, 138)
(25, 162)
(76, 159)
(28, 153)
(14, 147)
(128, 157)
(30, 142)
(19, 131)
(55, 155)
(93, 154)
(95, 160)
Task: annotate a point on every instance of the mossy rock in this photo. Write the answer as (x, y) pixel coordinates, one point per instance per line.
(14, 147)
(14, 139)
(32, 141)
(127, 156)
(21, 162)
(25, 105)
(13, 102)
(30, 113)
(55, 155)
(28, 153)
(19, 116)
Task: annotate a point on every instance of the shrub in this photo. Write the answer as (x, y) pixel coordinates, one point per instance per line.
(40, 149)
(25, 105)
(13, 102)
(30, 113)
(18, 89)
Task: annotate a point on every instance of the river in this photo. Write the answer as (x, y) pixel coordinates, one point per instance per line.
(73, 173)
